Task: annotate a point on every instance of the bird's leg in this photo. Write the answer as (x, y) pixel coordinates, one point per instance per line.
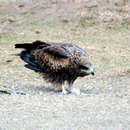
(64, 88)
(67, 88)
(73, 90)
(64, 91)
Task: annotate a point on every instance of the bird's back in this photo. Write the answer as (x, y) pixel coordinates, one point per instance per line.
(71, 49)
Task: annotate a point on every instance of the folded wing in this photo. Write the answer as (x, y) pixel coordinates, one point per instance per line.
(43, 57)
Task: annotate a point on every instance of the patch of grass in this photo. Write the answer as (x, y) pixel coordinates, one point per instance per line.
(88, 20)
(4, 1)
(118, 27)
(50, 24)
(5, 39)
(125, 25)
(32, 24)
(128, 71)
(104, 67)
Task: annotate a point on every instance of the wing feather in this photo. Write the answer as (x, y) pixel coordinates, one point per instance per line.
(56, 51)
(52, 58)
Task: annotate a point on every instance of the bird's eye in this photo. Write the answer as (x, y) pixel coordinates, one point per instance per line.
(83, 67)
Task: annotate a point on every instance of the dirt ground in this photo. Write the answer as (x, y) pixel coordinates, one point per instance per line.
(102, 28)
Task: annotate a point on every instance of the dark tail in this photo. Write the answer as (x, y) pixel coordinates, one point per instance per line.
(30, 46)
(32, 67)
(26, 55)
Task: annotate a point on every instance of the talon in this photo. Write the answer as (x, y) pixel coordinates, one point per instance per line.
(65, 92)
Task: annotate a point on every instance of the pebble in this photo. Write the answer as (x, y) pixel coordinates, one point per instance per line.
(18, 93)
(9, 86)
(5, 86)
(40, 93)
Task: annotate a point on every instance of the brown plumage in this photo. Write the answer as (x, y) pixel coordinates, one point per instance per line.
(56, 62)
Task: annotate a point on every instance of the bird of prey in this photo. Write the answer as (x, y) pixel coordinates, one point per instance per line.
(58, 63)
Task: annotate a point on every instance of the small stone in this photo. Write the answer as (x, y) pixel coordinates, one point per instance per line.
(18, 93)
(92, 4)
(110, 88)
(9, 61)
(5, 86)
(40, 93)
(21, 5)
(65, 20)
(37, 32)
(12, 86)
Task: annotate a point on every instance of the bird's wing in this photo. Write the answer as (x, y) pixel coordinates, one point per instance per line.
(52, 58)
(56, 51)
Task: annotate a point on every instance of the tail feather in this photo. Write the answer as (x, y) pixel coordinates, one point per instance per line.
(35, 68)
(26, 55)
(30, 46)
(25, 45)
(28, 58)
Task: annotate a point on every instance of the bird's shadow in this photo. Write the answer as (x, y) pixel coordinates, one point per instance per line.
(47, 90)
(4, 92)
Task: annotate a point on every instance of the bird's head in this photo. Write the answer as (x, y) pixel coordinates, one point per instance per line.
(85, 68)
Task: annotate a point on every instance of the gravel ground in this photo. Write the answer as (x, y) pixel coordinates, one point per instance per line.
(104, 105)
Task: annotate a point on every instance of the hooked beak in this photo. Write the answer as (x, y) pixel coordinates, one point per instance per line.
(92, 73)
